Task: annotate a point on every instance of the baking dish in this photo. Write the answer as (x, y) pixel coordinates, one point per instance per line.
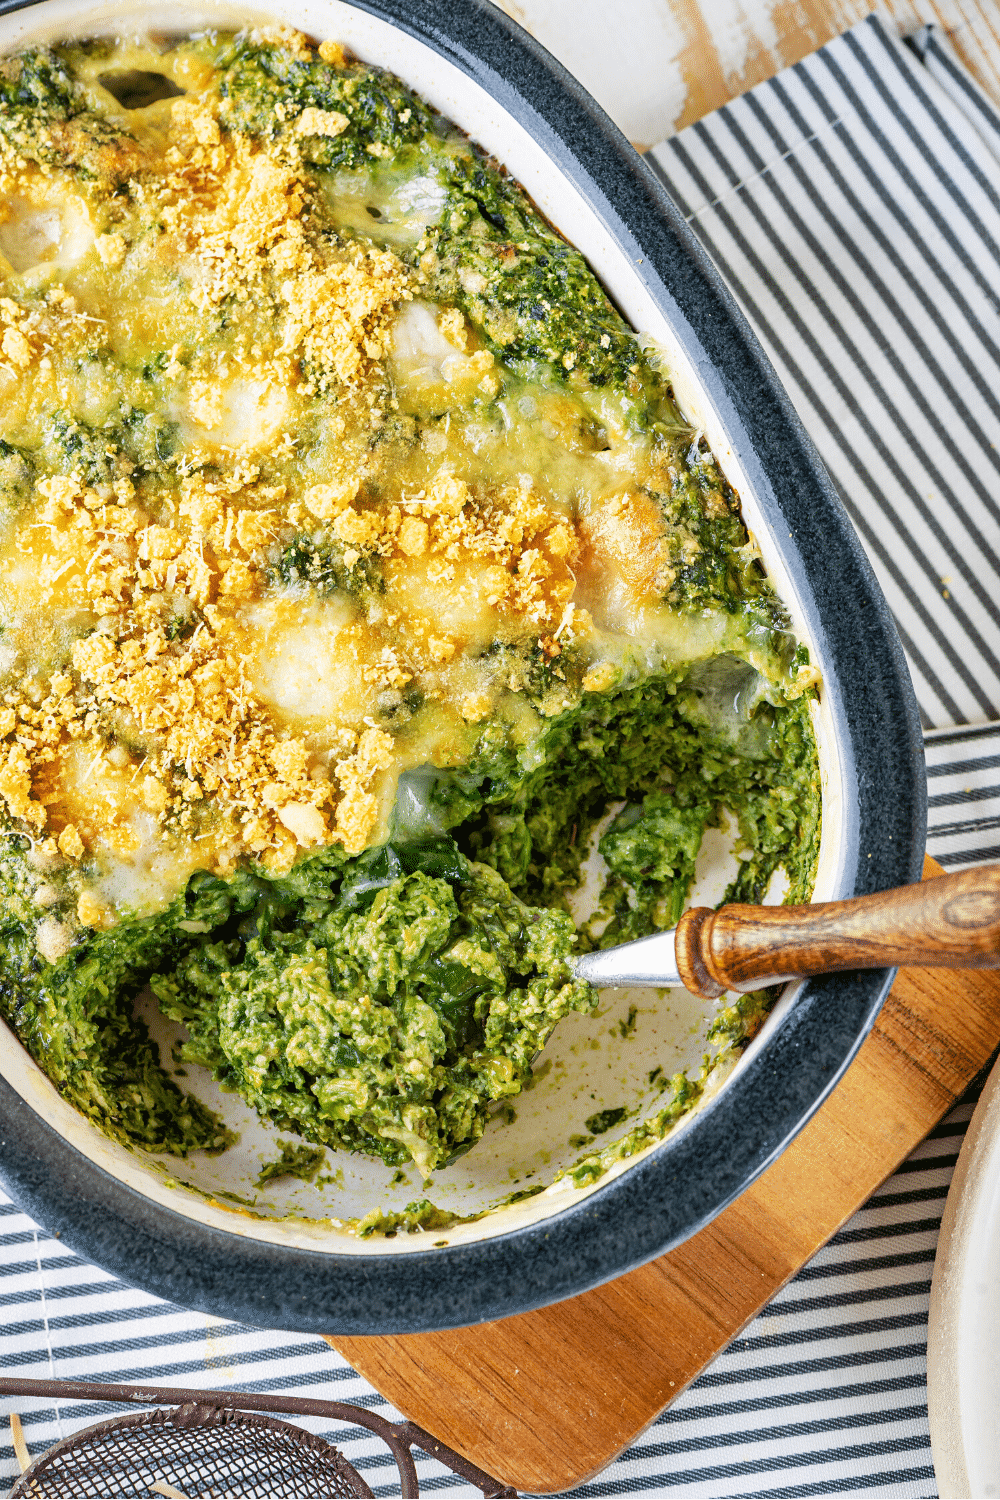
(199, 1248)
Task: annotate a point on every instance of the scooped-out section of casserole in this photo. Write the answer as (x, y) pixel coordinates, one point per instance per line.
(361, 586)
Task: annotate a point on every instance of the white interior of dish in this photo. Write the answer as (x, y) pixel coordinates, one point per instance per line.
(589, 1065)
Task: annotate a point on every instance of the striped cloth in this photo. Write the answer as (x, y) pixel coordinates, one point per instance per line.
(853, 204)
(963, 795)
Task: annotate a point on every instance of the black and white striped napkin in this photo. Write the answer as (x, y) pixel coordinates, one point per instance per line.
(853, 204)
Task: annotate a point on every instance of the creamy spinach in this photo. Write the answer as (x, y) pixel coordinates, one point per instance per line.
(387, 1014)
(292, 1161)
(355, 563)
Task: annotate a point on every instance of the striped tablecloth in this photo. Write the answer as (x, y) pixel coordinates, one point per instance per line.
(853, 204)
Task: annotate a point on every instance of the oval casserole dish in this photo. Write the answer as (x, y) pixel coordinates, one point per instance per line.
(476, 66)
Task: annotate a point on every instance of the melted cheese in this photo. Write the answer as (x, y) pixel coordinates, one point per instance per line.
(345, 537)
(396, 211)
(450, 607)
(241, 414)
(49, 228)
(307, 659)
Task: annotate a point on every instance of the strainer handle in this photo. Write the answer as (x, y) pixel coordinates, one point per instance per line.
(398, 1437)
(493, 1489)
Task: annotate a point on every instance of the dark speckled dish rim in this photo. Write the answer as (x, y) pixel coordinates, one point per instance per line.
(684, 1183)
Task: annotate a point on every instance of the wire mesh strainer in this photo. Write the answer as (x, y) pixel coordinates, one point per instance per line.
(216, 1443)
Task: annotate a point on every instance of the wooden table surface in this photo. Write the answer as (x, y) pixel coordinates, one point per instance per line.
(658, 65)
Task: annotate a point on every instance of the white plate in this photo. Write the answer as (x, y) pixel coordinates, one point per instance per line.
(963, 1335)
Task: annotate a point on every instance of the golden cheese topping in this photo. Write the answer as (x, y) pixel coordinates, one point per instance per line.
(279, 525)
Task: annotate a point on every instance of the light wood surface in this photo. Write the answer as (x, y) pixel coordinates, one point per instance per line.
(17, 1440)
(547, 1399)
(661, 64)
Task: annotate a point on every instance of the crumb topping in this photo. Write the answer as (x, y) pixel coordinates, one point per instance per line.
(275, 525)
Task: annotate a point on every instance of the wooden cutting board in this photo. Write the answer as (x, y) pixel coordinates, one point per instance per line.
(545, 1400)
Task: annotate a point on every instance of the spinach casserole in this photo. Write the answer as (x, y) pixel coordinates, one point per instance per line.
(359, 578)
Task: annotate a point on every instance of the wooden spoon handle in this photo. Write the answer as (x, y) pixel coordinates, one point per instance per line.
(951, 922)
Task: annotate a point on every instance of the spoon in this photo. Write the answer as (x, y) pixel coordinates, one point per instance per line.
(950, 922)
